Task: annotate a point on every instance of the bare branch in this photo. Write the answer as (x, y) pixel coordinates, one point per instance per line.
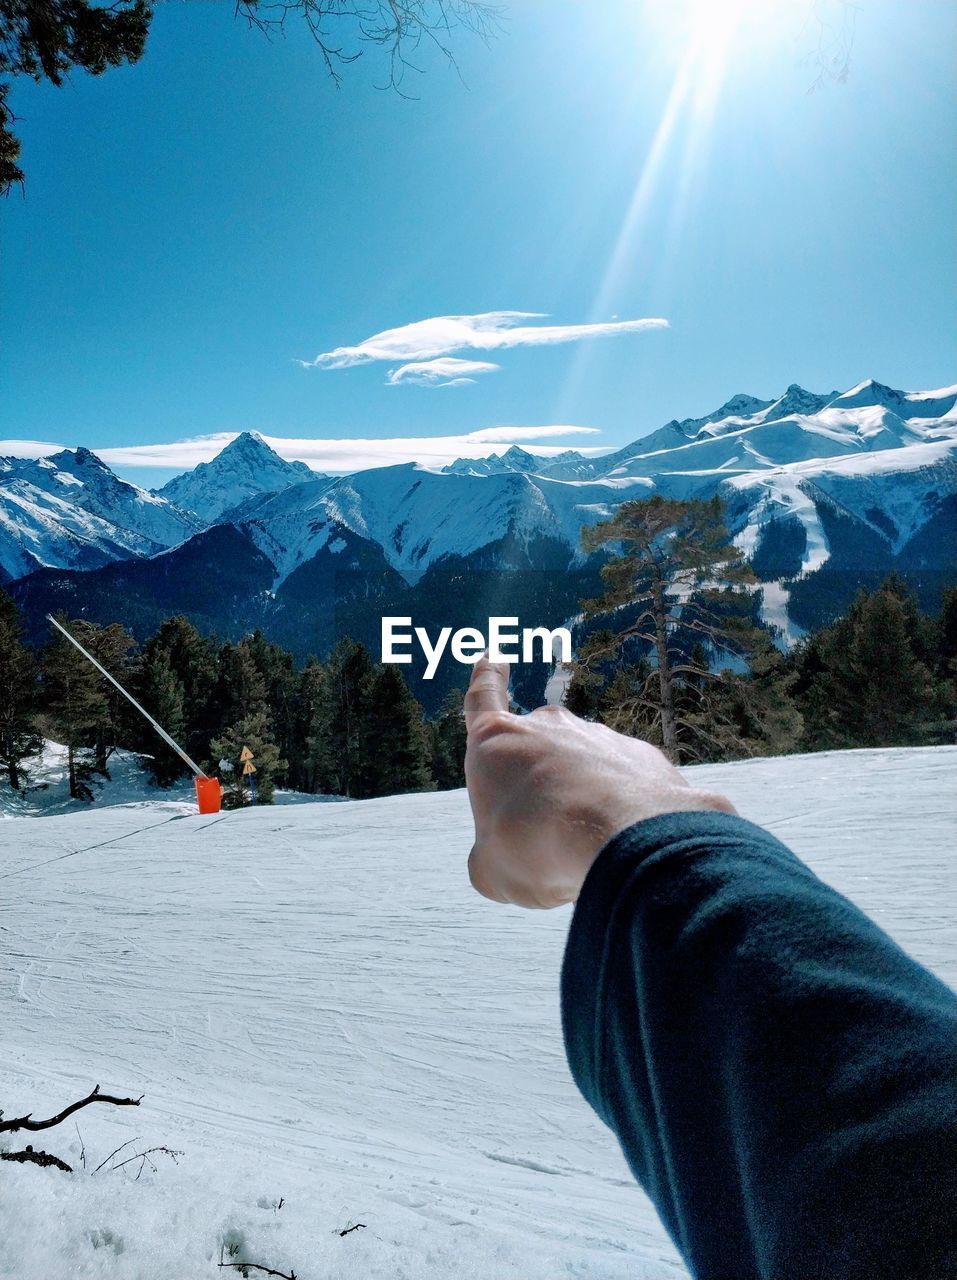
(127, 1143)
(25, 1122)
(255, 1266)
(399, 26)
(144, 1158)
(82, 1144)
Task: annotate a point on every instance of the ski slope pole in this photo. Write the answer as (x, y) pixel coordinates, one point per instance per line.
(129, 697)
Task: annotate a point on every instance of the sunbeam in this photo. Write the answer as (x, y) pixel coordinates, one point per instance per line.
(707, 33)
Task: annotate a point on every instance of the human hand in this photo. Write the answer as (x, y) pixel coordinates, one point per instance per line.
(548, 790)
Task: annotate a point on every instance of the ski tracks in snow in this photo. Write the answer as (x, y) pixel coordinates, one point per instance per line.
(319, 986)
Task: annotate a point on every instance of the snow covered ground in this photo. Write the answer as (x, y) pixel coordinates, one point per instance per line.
(319, 1010)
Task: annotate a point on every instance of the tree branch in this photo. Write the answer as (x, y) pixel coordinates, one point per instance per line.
(25, 1122)
(254, 1266)
(42, 1158)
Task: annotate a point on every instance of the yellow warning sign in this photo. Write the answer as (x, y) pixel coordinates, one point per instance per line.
(245, 754)
(249, 767)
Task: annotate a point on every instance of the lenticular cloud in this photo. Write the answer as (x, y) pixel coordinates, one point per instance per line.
(426, 340)
(447, 371)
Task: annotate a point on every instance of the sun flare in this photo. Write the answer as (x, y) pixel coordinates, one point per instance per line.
(717, 20)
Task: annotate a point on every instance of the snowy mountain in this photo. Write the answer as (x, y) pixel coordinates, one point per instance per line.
(824, 493)
(797, 427)
(514, 459)
(69, 510)
(246, 468)
(318, 1007)
(888, 471)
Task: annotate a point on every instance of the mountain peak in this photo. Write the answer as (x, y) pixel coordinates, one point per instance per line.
(871, 392)
(798, 399)
(71, 459)
(516, 458)
(247, 438)
(740, 405)
(245, 467)
(85, 457)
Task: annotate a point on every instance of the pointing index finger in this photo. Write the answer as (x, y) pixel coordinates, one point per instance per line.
(488, 691)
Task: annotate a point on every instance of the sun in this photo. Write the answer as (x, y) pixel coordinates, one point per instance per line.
(706, 47)
(712, 30)
(710, 21)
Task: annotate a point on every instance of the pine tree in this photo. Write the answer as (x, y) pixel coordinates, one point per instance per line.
(751, 714)
(306, 766)
(945, 666)
(193, 661)
(676, 582)
(19, 737)
(277, 667)
(73, 704)
(253, 732)
(399, 753)
(343, 750)
(860, 681)
(111, 646)
(448, 739)
(890, 688)
(626, 700)
(240, 689)
(161, 693)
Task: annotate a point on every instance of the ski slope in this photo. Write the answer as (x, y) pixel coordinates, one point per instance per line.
(318, 1008)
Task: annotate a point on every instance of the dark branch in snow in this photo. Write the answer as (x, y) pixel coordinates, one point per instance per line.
(42, 1158)
(25, 1122)
(255, 1266)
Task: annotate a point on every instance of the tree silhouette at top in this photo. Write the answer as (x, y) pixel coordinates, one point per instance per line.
(47, 39)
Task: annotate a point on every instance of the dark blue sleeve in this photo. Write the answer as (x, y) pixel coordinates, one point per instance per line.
(782, 1078)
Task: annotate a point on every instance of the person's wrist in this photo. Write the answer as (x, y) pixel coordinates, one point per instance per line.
(614, 818)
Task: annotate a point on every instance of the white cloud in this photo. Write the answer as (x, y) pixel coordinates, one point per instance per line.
(340, 456)
(489, 331)
(28, 448)
(447, 371)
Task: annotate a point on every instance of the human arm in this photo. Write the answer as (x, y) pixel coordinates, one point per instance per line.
(779, 1074)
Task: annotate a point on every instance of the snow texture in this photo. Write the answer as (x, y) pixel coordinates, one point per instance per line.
(318, 1008)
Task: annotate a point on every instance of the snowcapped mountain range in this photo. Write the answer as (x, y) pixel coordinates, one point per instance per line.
(823, 491)
(71, 511)
(886, 459)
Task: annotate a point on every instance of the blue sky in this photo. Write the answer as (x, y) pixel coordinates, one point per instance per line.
(198, 228)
